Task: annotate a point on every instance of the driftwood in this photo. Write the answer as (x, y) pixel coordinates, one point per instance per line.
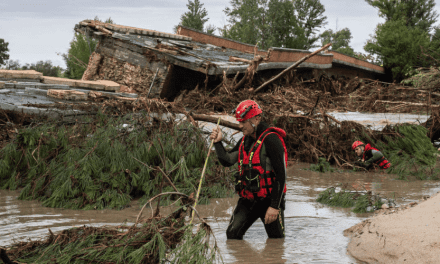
(235, 59)
(214, 119)
(292, 66)
(417, 90)
(104, 30)
(406, 103)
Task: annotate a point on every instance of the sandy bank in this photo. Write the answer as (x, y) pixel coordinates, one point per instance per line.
(410, 234)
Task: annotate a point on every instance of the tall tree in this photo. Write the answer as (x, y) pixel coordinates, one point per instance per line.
(340, 39)
(196, 17)
(244, 20)
(281, 23)
(77, 57)
(3, 51)
(397, 42)
(398, 46)
(310, 15)
(415, 13)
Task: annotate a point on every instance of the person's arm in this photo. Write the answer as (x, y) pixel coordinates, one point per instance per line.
(376, 155)
(227, 158)
(275, 152)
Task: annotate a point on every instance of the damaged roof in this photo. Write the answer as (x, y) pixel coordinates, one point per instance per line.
(196, 50)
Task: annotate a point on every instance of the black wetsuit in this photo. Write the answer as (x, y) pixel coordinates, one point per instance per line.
(248, 211)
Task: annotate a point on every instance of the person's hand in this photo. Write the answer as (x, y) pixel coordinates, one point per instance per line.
(359, 163)
(216, 135)
(271, 215)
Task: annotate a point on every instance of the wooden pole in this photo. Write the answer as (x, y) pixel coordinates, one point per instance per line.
(292, 66)
(203, 174)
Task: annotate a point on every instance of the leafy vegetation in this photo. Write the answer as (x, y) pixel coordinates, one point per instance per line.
(158, 240)
(45, 67)
(4, 56)
(106, 162)
(399, 40)
(410, 151)
(398, 47)
(279, 23)
(196, 17)
(77, 57)
(361, 202)
(322, 166)
(340, 39)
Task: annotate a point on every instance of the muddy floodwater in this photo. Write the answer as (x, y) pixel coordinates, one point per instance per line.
(313, 231)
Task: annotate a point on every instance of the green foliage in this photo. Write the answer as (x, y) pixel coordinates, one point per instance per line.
(44, 67)
(3, 51)
(415, 13)
(244, 18)
(12, 65)
(398, 46)
(428, 79)
(399, 40)
(361, 202)
(195, 17)
(410, 153)
(310, 14)
(77, 57)
(159, 240)
(281, 23)
(340, 39)
(322, 166)
(93, 166)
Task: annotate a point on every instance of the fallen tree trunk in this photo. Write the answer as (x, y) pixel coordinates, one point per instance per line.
(400, 102)
(214, 119)
(292, 66)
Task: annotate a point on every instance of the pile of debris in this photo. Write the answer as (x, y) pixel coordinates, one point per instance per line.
(106, 159)
(155, 240)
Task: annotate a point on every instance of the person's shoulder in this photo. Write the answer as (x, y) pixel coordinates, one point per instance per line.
(272, 138)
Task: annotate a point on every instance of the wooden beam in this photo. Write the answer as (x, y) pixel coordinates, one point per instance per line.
(292, 66)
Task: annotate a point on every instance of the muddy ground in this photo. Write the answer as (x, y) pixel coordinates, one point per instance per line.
(404, 235)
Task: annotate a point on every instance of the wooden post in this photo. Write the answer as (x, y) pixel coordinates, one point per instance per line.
(292, 66)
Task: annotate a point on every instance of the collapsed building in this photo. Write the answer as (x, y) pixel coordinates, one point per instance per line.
(160, 64)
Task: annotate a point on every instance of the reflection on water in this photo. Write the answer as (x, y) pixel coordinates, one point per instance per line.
(313, 231)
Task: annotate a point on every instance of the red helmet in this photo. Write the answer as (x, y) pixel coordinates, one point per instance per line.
(247, 109)
(357, 144)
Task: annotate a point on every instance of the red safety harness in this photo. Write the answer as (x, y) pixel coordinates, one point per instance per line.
(383, 163)
(254, 171)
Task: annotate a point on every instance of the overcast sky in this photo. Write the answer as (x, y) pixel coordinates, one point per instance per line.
(39, 29)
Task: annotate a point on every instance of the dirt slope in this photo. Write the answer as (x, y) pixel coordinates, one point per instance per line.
(408, 235)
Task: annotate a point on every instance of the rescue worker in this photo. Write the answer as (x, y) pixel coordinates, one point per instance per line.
(260, 182)
(369, 155)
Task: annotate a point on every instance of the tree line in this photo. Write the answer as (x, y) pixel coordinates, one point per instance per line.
(408, 38)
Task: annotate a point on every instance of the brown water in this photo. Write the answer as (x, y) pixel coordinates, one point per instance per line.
(313, 231)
